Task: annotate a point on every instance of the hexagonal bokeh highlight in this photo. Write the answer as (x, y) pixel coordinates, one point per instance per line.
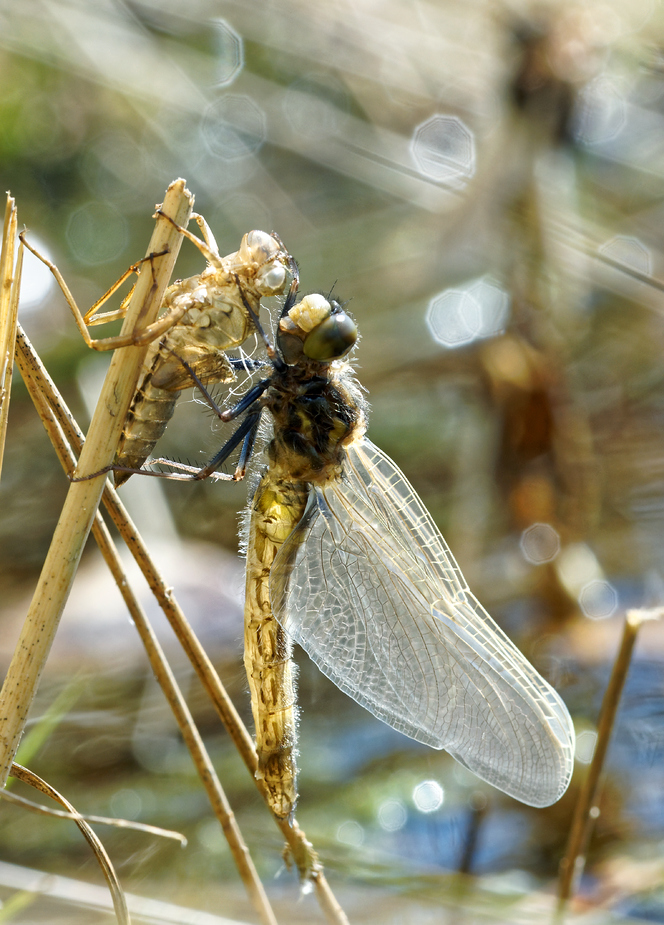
(443, 148)
(350, 833)
(584, 748)
(428, 796)
(540, 543)
(629, 251)
(473, 311)
(228, 51)
(598, 600)
(315, 107)
(234, 127)
(601, 112)
(97, 233)
(392, 815)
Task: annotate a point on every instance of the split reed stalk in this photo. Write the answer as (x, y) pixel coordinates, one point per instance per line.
(82, 500)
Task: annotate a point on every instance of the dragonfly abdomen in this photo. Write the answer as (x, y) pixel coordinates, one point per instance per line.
(151, 410)
(276, 510)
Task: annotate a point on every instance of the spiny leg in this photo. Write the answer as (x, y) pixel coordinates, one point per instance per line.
(136, 337)
(254, 393)
(212, 256)
(206, 231)
(245, 435)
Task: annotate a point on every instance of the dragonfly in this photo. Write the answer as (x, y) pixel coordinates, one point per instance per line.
(344, 559)
(201, 318)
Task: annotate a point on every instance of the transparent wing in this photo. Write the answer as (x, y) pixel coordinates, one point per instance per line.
(368, 587)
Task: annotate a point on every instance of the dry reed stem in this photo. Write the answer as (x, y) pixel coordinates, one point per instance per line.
(586, 810)
(45, 396)
(119, 902)
(8, 796)
(83, 497)
(10, 278)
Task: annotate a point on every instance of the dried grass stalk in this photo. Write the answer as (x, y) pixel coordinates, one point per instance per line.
(83, 497)
(10, 277)
(119, 901)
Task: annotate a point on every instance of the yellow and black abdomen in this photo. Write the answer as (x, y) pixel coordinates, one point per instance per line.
(314, 415)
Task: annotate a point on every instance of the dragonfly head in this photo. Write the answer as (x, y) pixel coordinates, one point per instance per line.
(316, 328)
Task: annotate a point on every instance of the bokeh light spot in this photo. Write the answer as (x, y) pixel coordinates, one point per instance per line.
(392, 815)
(229, 53)
(234, 127)
(443, 148)
(630, 251)
(540, 543)
(601, 112)
(126, 804)
(585, 746)
(598, 600)
(428, 796)
(476, 310)
(97, 233)
(350, 833)
(453, 317)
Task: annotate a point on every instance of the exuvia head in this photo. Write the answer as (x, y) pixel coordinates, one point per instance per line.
(317, 328)
(264, 255)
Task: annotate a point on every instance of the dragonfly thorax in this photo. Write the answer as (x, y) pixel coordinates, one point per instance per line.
(315, 417)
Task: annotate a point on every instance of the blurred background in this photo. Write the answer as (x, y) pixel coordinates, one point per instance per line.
(484, 182)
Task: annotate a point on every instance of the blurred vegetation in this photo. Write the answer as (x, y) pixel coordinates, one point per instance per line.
(484, 182)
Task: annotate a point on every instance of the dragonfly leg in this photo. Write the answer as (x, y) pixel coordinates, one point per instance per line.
(206, 231)
(90, 317)
(212, 256)
(247, 400)
(246, 453)
(245, 435)
(247, 364)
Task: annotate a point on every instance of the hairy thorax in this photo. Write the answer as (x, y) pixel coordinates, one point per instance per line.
(317, 411)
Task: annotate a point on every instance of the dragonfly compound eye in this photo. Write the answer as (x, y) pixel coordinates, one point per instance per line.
(332, 338)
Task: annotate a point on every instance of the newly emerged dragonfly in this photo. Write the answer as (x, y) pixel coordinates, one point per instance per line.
(202, 317)
(343, 558)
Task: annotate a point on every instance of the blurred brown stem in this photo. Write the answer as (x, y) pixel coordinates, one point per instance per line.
(586, 810)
